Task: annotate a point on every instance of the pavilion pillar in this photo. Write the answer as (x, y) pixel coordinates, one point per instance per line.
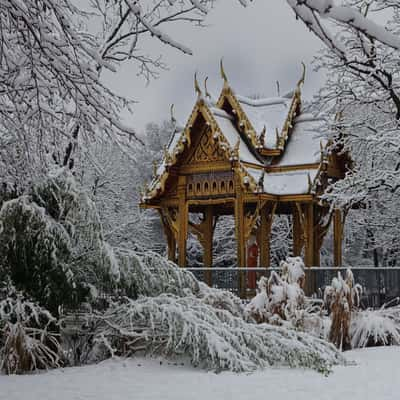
(310, 247)
(337, 237)
(297, 232)
(183, 221)
(240, 236)
(317, 245)
(309, 250)
(266, 219)
(263, 240)
(171, 242)
(169, 234)
(208, 242)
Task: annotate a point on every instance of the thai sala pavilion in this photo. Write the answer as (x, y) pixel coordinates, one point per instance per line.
(251, 158)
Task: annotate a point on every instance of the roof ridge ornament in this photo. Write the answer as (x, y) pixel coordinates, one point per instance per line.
(310, 183)
(173, 120)
(196, 86)
(235, 151)
(262, 137)
(206, 92)
(303, 76)
(155, 168)
(223, 74)
(280, 140)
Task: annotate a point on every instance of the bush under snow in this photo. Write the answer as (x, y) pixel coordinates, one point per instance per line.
(212, 338)
(281, 300)
(27, 342)
(376, 327)
(341, 299)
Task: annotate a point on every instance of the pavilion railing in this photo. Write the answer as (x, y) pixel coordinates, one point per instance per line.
(380, 285)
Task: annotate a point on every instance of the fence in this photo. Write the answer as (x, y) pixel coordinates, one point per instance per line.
(380, 285)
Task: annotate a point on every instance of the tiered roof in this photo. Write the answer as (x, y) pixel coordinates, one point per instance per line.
(278, 147)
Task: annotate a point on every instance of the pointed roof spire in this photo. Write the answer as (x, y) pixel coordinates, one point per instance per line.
(223, 74)
(196, 85)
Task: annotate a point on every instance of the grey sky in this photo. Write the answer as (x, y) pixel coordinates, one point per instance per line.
(260, 44)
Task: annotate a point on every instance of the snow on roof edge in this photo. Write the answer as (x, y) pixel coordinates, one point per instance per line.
(262, 102)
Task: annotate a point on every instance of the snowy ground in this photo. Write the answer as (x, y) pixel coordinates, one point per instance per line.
(376, 376)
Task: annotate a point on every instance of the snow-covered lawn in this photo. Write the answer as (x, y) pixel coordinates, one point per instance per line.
(376, 376)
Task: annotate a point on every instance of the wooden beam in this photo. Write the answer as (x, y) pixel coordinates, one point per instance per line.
(337, 237)
(205, 167)
(183, 222)
(210, 201)
(286, 168)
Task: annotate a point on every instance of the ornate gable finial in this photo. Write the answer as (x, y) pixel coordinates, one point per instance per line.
(173, 120)
(280, 141)
(223, 74)
(167, 157)
(206, 92)
(261, 181)
(235, 151)
(196, 85)
(155, 168)
(310, 184)
(303, 76)
(262, 136)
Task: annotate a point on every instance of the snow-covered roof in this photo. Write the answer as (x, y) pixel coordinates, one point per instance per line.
(270, 113)
(229, 130)
(285, 183)
(289, 163)
(304, 145)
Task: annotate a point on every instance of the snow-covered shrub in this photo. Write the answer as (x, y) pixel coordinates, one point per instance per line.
(151, 275)
(341, 298)
(142, 275)
(280, 299)
(375, 327)
(214, 339)
(28, 349)
(92, 260)
(27, 338)
(221, 300)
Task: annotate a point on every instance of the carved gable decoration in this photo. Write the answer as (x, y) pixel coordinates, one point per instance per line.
(207, 149)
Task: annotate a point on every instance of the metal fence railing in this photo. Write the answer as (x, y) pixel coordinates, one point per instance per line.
(380, 285)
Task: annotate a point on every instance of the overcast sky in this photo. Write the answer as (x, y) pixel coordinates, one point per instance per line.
(260, 44)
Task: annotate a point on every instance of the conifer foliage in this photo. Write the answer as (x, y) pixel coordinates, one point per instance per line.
(51, 244)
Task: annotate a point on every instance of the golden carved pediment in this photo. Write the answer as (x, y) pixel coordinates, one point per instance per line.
(207, 150)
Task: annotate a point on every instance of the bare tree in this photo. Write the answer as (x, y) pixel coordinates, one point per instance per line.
(51, 62)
